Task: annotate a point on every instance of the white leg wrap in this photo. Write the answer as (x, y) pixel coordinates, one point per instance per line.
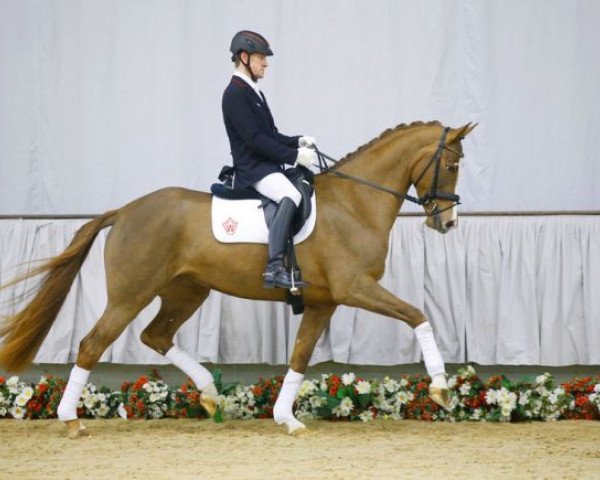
(67, 409)
(199, 375)
(282, 411)
(434, 363)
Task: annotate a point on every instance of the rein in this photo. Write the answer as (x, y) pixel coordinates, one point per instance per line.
(429, 197)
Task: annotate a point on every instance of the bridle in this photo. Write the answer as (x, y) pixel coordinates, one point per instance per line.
(426, 200)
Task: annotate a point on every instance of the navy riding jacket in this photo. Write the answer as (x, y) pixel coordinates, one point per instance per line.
(257, 148)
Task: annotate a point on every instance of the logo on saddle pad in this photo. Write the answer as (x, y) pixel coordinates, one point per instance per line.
(230, 225)
(243, 221)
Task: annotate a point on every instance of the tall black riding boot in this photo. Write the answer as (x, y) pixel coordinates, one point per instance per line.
(275, 274)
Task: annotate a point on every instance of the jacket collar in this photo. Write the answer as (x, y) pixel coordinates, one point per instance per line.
(240, 81)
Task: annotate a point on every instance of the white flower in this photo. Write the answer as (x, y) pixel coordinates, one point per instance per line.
(491, 397)
(597, 388)
(103, 410)
(470, 370)
(366, 416)
(317, 401)
(506, 398)
(524, 398)
(541, 378)
(121, 411)
(506, 410)
(89, 401)
(146, 386)
(306, 388)
(476, 414)
(2, 412)
(390, 385)
(348, 378)
(17, 412)
(153, 397)
(344, 408)
(403, 397)
(403, 382)
(465, 388)
(21, 400)
(12, 382)
(452, 381)
(363, 387)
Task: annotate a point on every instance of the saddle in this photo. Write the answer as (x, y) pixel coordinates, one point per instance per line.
(303, 180)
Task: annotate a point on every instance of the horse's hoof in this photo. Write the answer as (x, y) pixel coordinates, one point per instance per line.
(209, 403)
(76, 429)
(441, 396)
(294, 427)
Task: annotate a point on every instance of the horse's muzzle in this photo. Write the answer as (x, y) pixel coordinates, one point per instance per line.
(442, 222)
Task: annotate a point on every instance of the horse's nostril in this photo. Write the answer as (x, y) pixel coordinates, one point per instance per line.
(450, 224)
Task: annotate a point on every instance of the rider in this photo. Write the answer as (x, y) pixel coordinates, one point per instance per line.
(259, 151)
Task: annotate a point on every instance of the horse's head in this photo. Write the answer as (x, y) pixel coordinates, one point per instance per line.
(434, 176)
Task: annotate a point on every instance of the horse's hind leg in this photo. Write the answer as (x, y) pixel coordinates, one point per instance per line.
(113, 322)
(179, 300)
(314, 321)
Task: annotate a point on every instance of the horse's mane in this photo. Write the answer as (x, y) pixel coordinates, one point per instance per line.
(384, 134)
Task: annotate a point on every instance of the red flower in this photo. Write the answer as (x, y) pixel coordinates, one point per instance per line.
(581, 401)
(421, 386)
(140, 382)
(42, 388)
(333, 390)
(257, 391)
(193, 396)
(2, 380)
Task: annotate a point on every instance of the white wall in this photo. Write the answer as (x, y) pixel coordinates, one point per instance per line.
(103, 101)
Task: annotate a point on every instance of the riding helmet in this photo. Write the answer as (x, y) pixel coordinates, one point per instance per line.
(251, 42)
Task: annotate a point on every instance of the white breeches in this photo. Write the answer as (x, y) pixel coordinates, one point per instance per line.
(276, 186)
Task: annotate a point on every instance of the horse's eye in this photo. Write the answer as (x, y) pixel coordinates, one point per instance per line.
(452, 168)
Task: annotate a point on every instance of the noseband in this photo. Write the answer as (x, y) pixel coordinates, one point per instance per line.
(427, 199)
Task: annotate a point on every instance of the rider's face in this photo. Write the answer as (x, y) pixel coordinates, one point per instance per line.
(258, 64)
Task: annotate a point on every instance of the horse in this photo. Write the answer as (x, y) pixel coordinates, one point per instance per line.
(162, 245)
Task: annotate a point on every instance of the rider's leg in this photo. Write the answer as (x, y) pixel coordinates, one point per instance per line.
(279, 189)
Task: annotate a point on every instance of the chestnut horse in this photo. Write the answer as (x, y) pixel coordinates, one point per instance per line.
(162, 245)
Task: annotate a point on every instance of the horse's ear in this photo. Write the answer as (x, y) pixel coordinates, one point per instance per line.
(460, 133)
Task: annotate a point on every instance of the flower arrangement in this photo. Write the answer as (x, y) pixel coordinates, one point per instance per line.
(333, 397)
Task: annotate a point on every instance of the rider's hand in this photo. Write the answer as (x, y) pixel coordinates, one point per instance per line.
(306, 157)
(307, 142)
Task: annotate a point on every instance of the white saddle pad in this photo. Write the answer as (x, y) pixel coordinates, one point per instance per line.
(243, 221)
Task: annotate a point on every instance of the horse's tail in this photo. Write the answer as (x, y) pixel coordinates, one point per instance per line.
(24, 332)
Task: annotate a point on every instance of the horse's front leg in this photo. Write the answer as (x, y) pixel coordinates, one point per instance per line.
(366, 293)
(313, 323)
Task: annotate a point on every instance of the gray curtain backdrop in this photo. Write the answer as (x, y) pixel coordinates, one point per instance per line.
(498, 290)
(102, 101)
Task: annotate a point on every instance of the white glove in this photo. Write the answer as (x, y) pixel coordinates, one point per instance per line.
(306, 142)
(306, 157)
